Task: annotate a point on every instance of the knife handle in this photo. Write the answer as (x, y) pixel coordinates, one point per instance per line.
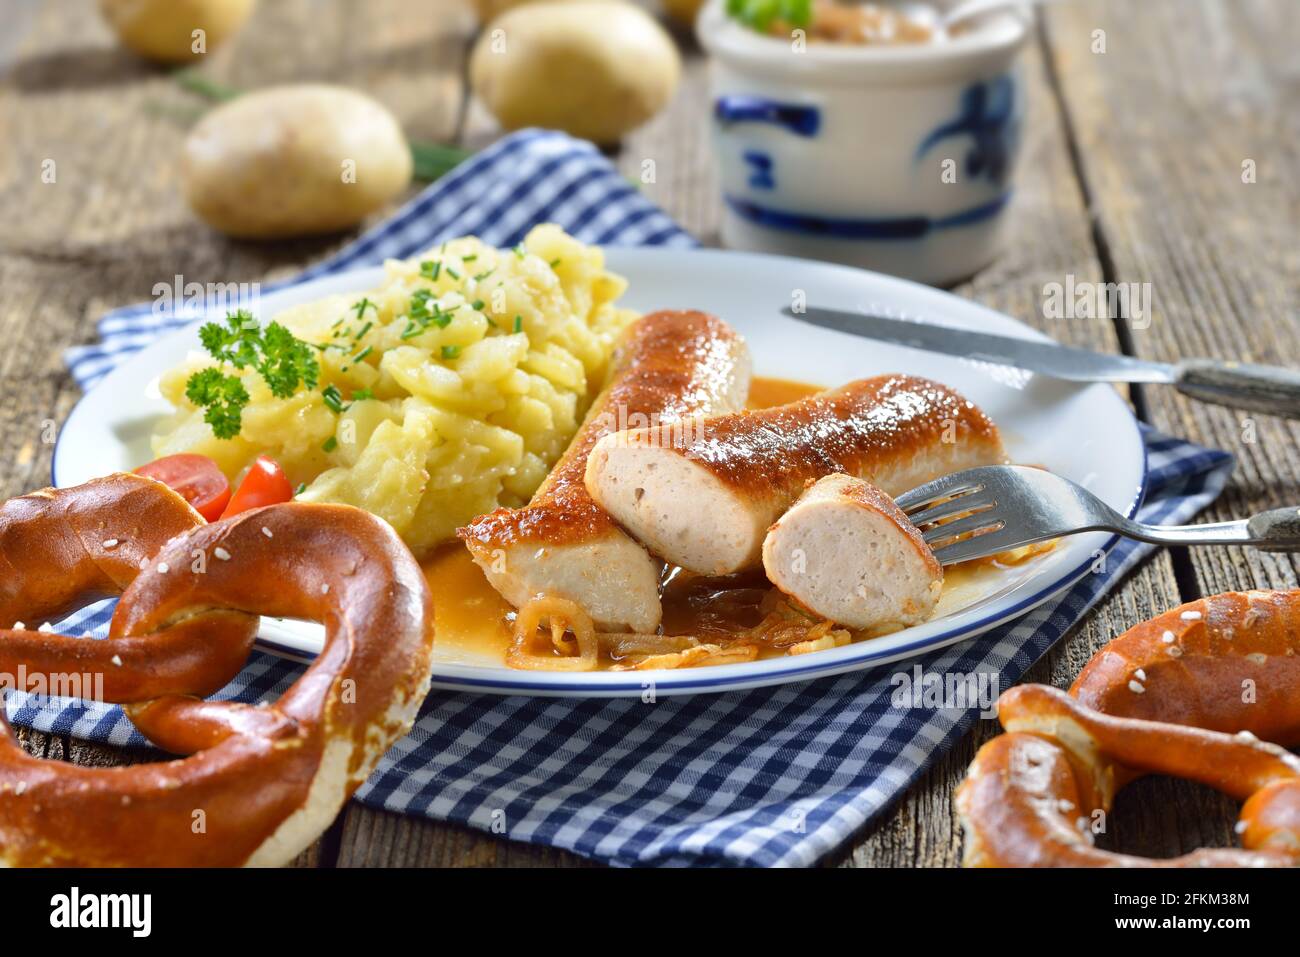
(1240, 385)
(1277, 530)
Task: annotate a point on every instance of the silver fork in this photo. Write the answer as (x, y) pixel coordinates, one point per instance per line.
(1004, 506)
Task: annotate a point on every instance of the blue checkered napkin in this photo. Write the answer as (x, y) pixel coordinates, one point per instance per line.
(777, 776)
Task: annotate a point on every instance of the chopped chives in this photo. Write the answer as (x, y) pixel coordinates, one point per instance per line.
(333, 398)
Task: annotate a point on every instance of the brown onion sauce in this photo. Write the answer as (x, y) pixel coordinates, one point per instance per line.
(712, 608)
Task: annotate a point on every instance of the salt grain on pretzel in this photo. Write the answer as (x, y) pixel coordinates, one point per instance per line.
(260, 783)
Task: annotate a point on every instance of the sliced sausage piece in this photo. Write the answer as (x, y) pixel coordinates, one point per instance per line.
(846, 552)
(669, 365)
(702, 493)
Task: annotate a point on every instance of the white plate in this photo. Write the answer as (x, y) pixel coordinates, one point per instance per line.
(1085, 433)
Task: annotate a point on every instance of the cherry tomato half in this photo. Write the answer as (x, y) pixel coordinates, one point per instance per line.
(195, 478)
(265, 484)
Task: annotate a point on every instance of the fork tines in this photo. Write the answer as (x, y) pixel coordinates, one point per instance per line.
(953, 514)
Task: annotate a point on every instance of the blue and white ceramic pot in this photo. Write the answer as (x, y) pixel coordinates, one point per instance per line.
(896, 158)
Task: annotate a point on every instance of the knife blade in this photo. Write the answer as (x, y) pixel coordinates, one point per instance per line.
(1049, 358)
(1238, 384)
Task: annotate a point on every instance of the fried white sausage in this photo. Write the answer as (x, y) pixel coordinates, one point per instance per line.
(702, 493)
(671, 364)
(846, 552)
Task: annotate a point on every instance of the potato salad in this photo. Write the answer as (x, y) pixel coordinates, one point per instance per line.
(448, 390)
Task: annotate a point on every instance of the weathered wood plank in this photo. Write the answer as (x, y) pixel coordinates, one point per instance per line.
(1187, 95)
(671, 157)
(383, 839)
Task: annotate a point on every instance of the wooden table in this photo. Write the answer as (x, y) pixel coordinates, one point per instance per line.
(1132, 171)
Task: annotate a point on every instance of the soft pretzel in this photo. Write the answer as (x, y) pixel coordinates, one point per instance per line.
(1196, 661)
(61, 548)
(1190, 694)
(260, 783)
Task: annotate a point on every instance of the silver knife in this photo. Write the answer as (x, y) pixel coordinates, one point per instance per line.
(1237, 384)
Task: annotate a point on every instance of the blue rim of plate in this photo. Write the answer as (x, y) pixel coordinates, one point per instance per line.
(667, 682)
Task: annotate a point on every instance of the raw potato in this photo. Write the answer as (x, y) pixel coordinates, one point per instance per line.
(163, 30)
(294, 161)
(591, 68)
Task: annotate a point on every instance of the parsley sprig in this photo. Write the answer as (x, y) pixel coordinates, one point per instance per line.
(222, 398)
(761, 14)
(283, 361)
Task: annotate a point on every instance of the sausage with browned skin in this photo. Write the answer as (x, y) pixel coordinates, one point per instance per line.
(702, 493)
(670, 364)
